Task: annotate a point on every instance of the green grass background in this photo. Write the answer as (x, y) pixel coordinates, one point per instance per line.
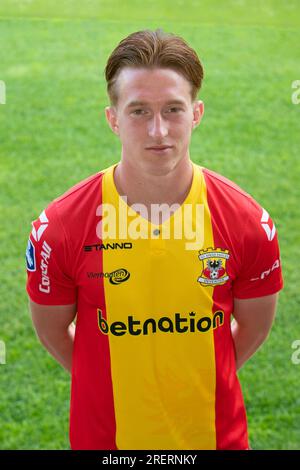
(53, 134)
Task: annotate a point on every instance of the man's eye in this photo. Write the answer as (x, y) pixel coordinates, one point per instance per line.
(138, 112)
(174, 110)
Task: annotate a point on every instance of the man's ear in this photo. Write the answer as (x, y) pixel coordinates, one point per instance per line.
(198, 111)
(112, 119)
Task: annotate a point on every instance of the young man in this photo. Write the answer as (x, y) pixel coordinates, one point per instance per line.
(154, 353)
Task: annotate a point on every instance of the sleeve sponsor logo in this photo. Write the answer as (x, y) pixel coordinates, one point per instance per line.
(30, 256)
(39, 227)
(268, 225)
(44, 286)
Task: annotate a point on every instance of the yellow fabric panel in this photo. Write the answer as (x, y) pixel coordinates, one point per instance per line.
(163, 381)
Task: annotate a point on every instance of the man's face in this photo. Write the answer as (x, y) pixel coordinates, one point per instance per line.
(154, 118)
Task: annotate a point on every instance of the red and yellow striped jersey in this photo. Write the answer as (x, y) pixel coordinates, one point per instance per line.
(153, 361)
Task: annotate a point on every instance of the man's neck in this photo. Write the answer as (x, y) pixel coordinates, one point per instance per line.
(144, 188)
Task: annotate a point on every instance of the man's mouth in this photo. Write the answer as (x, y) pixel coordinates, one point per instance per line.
(159, 148)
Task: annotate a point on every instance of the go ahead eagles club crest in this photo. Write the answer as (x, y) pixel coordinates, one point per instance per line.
(214, 266)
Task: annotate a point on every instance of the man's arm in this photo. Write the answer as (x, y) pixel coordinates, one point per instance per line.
(55, 330)
(252, 322)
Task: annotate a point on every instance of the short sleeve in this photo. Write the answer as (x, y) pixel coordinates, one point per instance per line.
(260, 272)
(48, 261)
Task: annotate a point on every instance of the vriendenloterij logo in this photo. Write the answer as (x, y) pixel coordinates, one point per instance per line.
(178, 324)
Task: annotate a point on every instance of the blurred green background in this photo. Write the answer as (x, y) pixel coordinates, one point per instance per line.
(53, 134)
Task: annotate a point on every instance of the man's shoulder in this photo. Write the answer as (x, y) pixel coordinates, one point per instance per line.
(80, 190)
(78, 203)
(223, 183)
(225, 192)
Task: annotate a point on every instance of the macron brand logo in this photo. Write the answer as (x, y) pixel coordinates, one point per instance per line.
(37, 233)
(268, 225)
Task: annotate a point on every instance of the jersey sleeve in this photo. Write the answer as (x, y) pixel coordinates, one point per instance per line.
(260, 272)
(48, 261)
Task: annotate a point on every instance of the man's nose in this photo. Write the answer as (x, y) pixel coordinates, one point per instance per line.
(158, 126)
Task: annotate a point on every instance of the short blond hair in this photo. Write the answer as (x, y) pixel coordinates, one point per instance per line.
(154, 49)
